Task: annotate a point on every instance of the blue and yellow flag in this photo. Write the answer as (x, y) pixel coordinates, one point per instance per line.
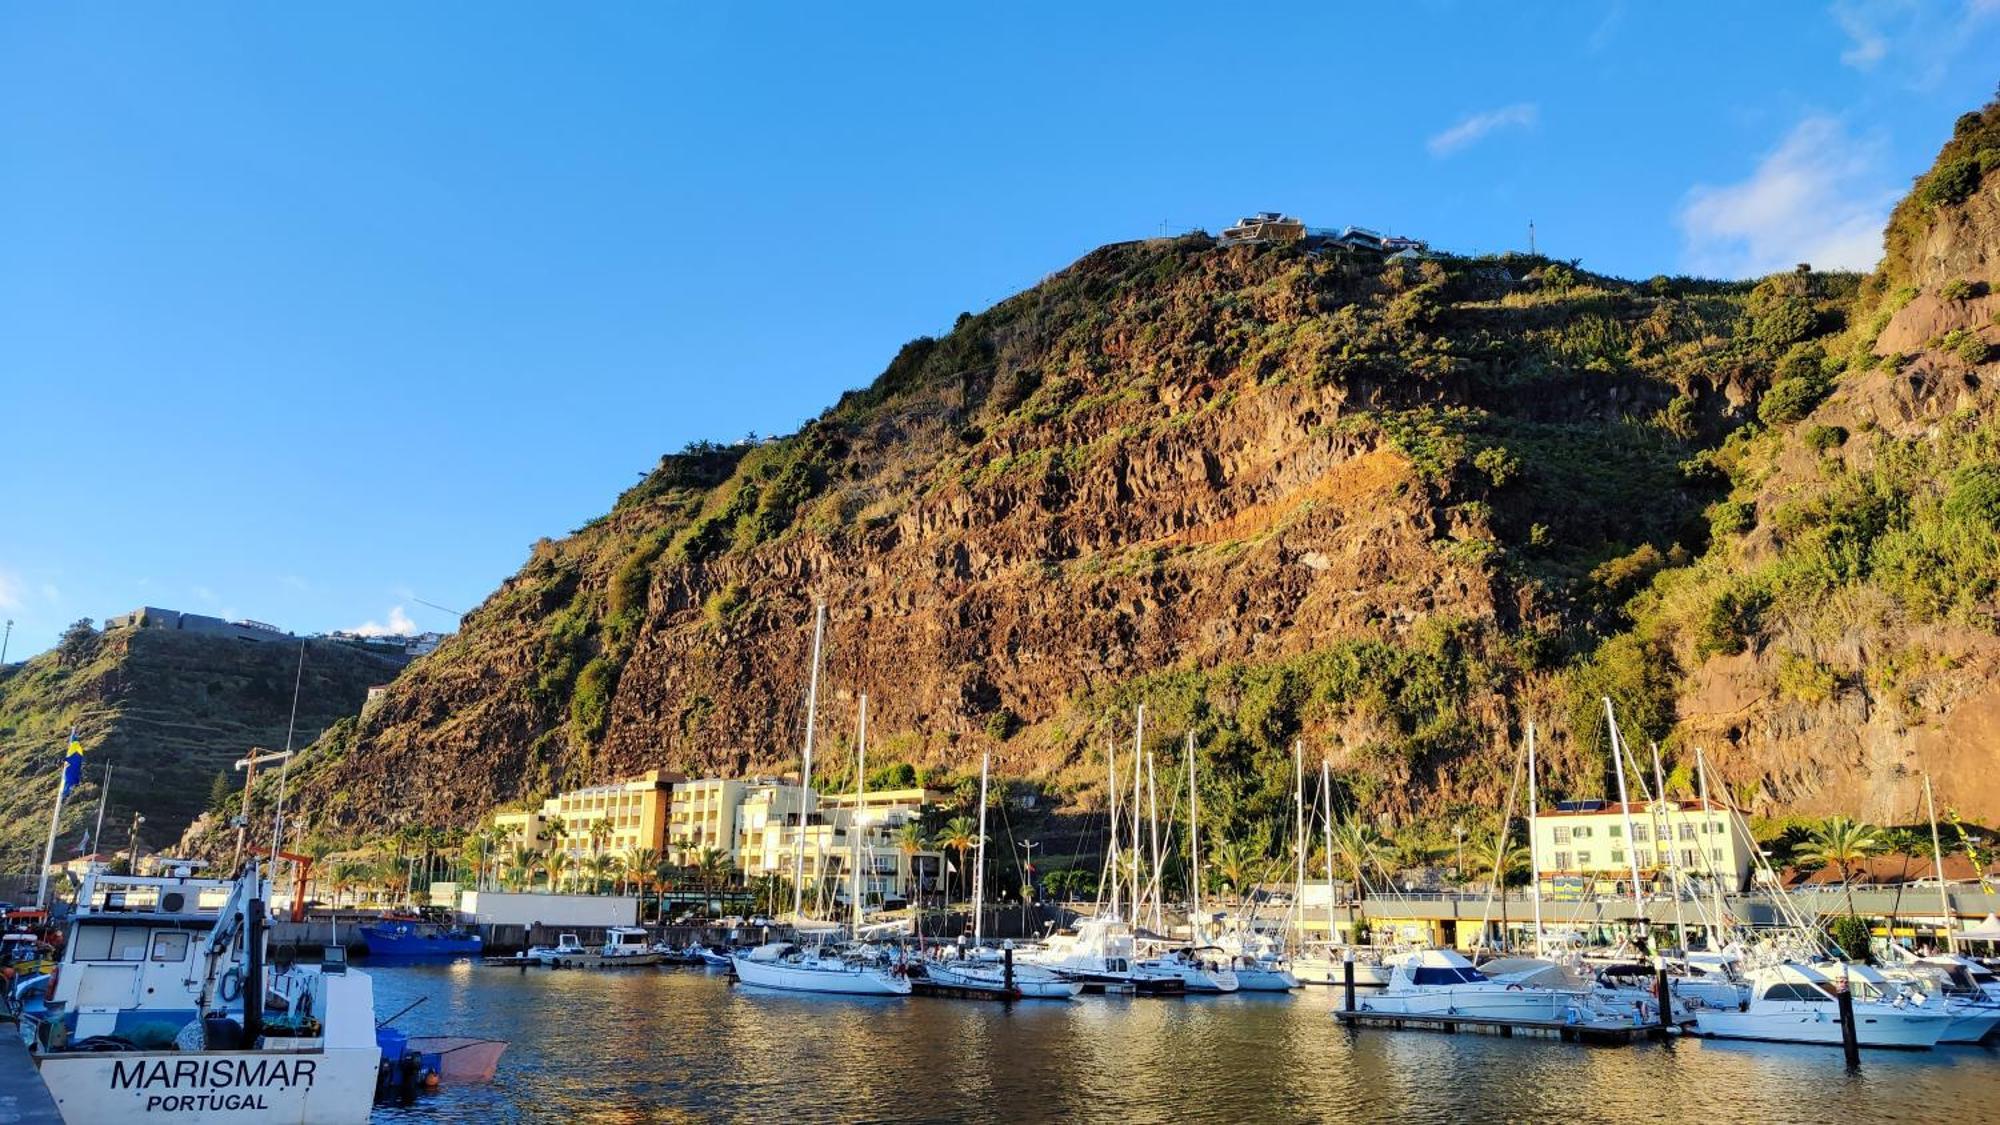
(72, 765)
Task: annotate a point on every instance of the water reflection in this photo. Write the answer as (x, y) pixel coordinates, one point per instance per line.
(673, 1045)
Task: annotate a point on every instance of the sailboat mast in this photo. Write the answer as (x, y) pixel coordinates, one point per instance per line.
(1194, 845)
(1665, 820)
(1618, 766)
(1153, 828)
(103, 799)
(979, 864)
(1708, 821)
(1111, 787)
(805, 785)
(1937, 865)
(860, 803)
(1138, 768)
(1534, 845)
(1299, 816)
(1326, 825)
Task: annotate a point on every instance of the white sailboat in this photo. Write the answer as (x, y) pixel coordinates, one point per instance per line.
(787, 967)
(1440, 982)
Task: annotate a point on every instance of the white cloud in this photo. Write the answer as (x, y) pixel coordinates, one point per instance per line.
(1863, 26)
(1476, 127)
(399, 625)
(10, 590)
(1821, 196)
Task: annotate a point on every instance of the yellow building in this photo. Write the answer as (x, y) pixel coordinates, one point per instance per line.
(612, 819)
(1597, 840)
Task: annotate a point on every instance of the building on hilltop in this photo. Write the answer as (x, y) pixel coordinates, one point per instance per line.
(1273, 226)
(1582, 844)
(153, 617)
(1264, 226)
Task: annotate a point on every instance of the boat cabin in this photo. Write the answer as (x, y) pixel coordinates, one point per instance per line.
(1434, 967)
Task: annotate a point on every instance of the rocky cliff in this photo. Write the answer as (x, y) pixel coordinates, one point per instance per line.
(1395, 508)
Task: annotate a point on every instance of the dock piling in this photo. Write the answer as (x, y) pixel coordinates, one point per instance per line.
(1663, 994)
(1850, 1043)
(1347, 981)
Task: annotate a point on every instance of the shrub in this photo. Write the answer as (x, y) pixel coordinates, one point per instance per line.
(1789, 400)
(1730, 622)
(1498, 464)
(1731, 517)
(725, 605)
(1851, 934)
(1806, 680)
(1966, 345)
(1822, 438)
(1001, 724)
(590, 703)
(1951, 183)
(1958, 289)
(1975, 496)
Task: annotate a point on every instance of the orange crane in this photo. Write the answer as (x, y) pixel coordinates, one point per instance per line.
(302, 866)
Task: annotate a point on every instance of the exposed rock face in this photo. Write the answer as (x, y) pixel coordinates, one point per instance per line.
(1396, 509)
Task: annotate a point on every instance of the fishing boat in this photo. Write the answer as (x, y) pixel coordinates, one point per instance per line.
(1792, 1002)
(782, 965)
(1441, 982)
(418, 938)
(158, 1010)
(567, 949)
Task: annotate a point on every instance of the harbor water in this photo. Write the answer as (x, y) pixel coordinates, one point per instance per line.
(686, 1044)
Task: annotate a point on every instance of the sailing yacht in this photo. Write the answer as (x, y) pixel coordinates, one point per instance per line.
(1441, 982)
(982, 973)
(1791, 1002)
(785, 966)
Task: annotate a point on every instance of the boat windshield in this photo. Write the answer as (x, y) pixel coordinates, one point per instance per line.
(1450, 974)
(1786, 990)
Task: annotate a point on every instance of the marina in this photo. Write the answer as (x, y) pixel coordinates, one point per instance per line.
(733, 1051)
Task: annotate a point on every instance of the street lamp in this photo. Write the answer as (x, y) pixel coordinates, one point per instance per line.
(132, 843)
(1027, 883)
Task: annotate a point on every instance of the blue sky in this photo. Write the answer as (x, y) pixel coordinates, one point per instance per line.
(316, 313)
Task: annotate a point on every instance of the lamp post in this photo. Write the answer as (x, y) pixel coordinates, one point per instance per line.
(132, 842)
(4, 638)
(1458, 865)
(1027, 883)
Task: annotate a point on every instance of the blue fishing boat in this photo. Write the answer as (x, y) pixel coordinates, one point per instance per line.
(413, 938)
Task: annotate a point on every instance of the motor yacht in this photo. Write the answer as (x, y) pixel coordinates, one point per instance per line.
(1791, 1002)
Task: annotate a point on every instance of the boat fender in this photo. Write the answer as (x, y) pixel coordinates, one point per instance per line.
(230, 987)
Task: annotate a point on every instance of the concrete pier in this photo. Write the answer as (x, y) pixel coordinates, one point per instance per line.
(24, 1100)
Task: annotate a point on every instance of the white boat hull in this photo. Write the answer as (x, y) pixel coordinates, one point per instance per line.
(1475, 1002)
(1265, 980)
(821, 977)
(1030, 982)
(1818, 1023)
(1320, 971)
(330, 1087)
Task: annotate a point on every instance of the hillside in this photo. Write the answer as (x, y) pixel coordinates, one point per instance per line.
(1395, 508)
(168, 710)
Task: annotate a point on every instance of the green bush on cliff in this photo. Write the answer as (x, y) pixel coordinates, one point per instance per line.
(1952, 182)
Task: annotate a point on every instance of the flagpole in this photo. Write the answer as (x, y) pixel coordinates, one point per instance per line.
(55, 818)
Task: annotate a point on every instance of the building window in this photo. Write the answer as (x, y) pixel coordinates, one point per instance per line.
(1639, 833)
(1562, 835)
(1615, 831)
(1583, 859)
(1715, 854)
(1665, 857)
(1583, 832)
(1617, 856)
(1562, 861)
(1687, 831)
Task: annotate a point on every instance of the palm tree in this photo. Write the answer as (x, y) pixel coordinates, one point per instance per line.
(476, 850)
(603, 868)
(600, 834)
(1357, 847)
(556, 865)
(1843, 843)
(348, 872)
(961, 835)
(910, 839)
(639, 865)
(1237, 864)
(714, 868)
(521, 865)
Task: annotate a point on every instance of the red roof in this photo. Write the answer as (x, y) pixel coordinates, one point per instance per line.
(1637, 809)
(1888, 870)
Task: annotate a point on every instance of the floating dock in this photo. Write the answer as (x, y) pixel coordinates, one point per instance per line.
(1602, 1033)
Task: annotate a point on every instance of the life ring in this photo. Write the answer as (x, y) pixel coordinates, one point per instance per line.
(230, 987)
(1515, 987)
